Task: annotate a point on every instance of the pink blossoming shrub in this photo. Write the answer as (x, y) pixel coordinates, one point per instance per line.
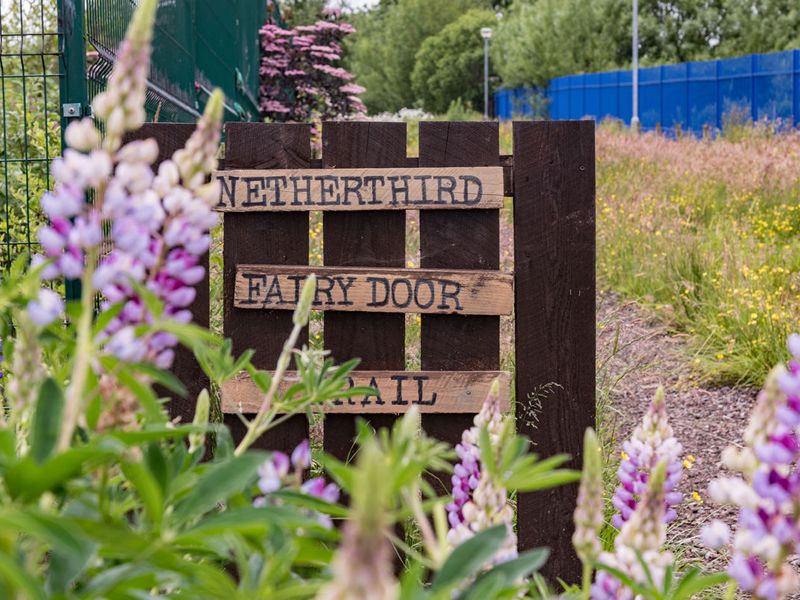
(301, 78)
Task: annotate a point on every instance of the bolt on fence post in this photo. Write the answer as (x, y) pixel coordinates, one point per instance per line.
(72, 83)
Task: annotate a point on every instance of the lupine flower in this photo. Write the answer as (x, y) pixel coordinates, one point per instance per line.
(651, 442)
(47, 307)
(589, 508)
(768, 491)
(27, 372)
(282, 472)
(159, 222)
(479, 502)
(715, 535)
(642, 535)
(362, 565)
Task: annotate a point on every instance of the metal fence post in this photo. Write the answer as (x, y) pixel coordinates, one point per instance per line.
(72, 72)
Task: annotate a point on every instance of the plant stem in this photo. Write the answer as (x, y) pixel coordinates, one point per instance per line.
(428, 537)
(255, 428)
(586, 583)
(83, 351)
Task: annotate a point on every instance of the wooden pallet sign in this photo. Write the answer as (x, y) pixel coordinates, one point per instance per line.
(429, 391)
(359, 189)
(377, 290)
(363, 184)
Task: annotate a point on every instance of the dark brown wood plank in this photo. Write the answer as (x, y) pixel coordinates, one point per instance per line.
(277, 238)
(363, 239)
(171, 137)
(554, 249)
(458, 241)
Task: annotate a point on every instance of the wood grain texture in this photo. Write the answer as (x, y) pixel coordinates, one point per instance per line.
(278, 238)
(458, 240)
(363, 239)
(352, 289)
(359, 189)
(554, 248)
(171, 137)
(430, 391)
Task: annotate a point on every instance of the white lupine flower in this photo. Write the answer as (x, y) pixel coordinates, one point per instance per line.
(715, 534)
(46, 308)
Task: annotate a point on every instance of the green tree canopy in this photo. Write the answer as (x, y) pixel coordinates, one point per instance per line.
(383, 54)
(449, 65)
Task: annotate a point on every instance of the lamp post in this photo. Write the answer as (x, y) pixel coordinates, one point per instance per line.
(635, 49)
(486, 34)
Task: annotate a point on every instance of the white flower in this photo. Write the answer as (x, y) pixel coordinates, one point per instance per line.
(715, 534)
(46, 308)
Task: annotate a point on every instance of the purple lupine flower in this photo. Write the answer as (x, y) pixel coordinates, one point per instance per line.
(159, 228)
(641, 537)
(767, 492)
(301, 456)
(651, 442)
(479, 502)
(274, 474)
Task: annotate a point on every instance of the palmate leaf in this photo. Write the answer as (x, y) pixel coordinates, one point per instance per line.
(465, 561)
(218, 483)
(505, 574)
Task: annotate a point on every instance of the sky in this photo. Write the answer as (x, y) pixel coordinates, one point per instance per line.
(354, 4)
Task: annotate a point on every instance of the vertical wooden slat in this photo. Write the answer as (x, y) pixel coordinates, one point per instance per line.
(171, 137)
(363, 239)
(467, 239)
(554, 250)
(264, 238)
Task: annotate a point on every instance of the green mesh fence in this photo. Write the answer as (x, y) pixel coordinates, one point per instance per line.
(55, 55)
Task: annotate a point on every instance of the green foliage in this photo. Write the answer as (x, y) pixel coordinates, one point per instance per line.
(541, 39)
(31, 135)
(383, 54)
(449, 65)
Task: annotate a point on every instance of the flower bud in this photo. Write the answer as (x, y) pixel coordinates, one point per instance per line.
(201, 410)
(82, 135)
(589, 509)
(303, 310)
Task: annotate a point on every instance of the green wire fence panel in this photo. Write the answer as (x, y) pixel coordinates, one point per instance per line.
(29, 93)
(55, 55)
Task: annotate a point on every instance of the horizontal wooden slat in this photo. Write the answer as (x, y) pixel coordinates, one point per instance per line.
(429, 391)
(368, 289)
(360, 189)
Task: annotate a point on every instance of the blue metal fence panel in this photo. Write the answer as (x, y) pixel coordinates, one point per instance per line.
(690, 96)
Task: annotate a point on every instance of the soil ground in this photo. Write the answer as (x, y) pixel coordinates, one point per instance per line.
(636, 356)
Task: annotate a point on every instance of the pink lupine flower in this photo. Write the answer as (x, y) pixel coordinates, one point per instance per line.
(479, 502)
(651, 442)
(767, 492)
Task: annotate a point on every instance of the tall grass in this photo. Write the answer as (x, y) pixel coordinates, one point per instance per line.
(706, 234)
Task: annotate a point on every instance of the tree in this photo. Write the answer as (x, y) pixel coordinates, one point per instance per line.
(449, 65)
(390, 35)
(760, 26)
(301, 78)
(541, 39)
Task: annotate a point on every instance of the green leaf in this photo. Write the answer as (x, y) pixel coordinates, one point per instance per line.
(46, 423)
(20, 579)
(249, 520)
(149, 491)
(509, 572)
(469, 557)
(522, 482)
(218, 483)
(144, 393)
(695, 582)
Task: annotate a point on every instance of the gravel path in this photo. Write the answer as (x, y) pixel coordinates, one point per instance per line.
(637, 355)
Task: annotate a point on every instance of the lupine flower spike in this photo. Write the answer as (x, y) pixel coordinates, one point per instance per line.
(480, 502)
(641, 536)
(362, 566)
(652, 441)
(767, 492)
(589, 509)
